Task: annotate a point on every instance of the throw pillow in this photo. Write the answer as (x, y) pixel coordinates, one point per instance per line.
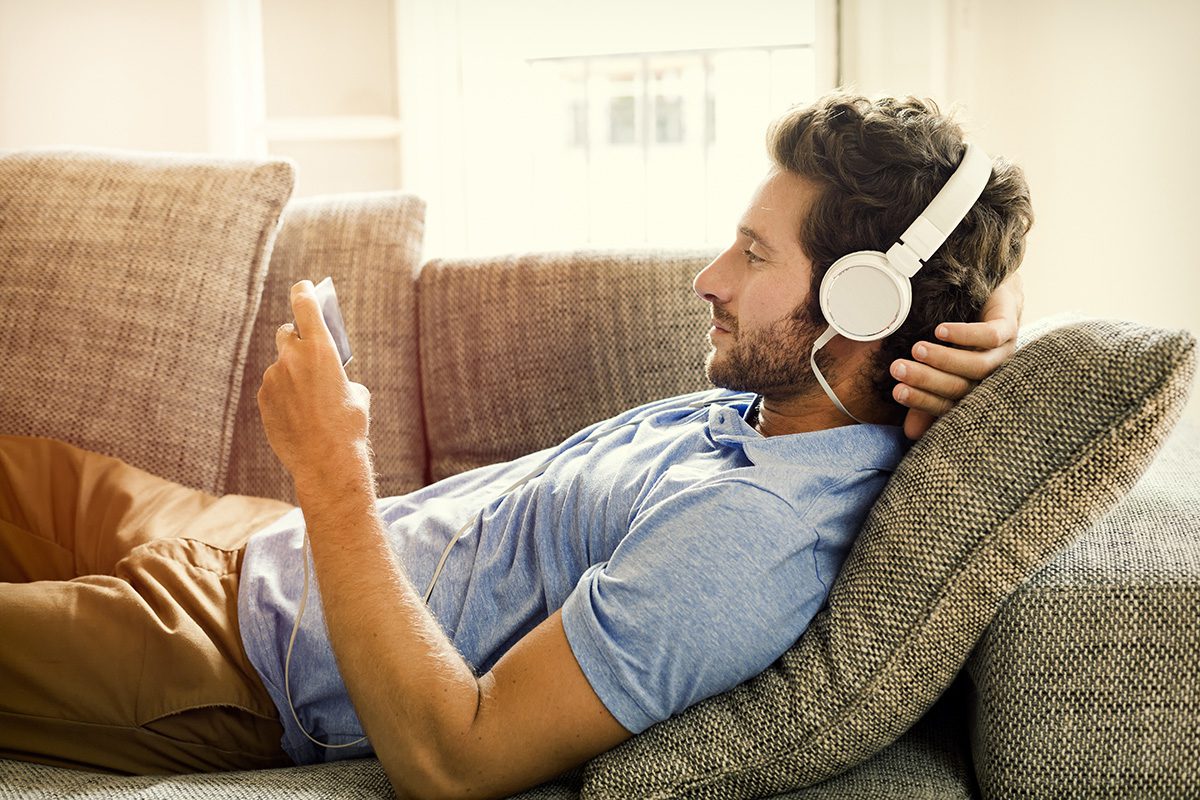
(1029, 460)
(130, 284)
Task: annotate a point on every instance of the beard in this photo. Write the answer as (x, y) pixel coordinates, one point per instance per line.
(771, 361)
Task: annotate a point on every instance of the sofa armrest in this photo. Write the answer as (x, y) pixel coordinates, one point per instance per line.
(1085, 684)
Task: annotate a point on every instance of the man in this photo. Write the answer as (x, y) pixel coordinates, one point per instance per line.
(644, 564)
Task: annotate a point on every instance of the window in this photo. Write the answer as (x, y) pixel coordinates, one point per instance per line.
(656, 141)
(537, 124)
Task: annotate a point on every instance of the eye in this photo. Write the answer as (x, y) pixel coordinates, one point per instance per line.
(750, 256)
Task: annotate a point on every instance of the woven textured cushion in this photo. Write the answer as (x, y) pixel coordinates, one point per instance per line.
(1017, 471)
(518, 353)
(1086, 680)
(357, 778)
(130, 283)
(370, 244)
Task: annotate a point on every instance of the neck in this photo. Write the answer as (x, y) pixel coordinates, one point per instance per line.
(800, 414)
(813, 411)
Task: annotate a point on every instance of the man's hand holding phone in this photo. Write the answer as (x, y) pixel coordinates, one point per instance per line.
(315, 418)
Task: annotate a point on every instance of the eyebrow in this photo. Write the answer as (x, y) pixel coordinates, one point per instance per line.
(746, 230)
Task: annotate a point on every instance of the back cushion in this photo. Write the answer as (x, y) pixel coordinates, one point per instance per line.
(519, 352)
(129, 285)
(370, 244)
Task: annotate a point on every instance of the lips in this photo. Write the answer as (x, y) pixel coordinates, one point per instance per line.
(723, 324)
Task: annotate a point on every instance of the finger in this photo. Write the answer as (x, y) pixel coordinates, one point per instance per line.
(921, 400)
(306, 310)
(310, 323)
(922, 376)
(973, 364)
(917, 422)
(1007, 301)
(984, 335)
(284, 332)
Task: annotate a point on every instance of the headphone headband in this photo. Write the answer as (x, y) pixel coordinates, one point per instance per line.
(866, 295)
(929, 231)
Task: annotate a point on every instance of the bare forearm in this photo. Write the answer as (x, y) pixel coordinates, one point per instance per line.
(414, 694)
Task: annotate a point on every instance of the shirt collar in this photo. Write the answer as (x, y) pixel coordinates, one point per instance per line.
(858, 446)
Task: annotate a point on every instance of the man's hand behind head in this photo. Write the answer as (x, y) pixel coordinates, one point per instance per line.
(941, 375)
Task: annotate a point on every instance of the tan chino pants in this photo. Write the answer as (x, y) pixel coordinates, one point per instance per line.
(119, 643)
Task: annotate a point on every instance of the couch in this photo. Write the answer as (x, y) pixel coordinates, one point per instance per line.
(1017, 619)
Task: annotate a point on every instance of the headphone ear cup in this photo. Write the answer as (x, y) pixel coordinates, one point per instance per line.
(863, 297)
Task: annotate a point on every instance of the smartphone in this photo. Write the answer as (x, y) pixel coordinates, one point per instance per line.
(327, 297)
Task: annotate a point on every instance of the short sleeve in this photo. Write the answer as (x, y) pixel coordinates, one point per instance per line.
(708, 588)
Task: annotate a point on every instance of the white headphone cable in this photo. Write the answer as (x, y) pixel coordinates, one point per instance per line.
(287, 662)
(812, 360)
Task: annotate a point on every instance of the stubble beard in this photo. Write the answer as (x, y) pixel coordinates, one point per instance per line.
(770, 361)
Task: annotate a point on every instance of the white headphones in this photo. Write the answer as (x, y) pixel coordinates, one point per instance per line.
(867, 295)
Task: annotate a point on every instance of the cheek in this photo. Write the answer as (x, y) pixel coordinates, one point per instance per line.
(771, 303)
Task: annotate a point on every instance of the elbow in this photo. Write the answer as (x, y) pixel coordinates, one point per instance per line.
(442, 764)
(428, 778)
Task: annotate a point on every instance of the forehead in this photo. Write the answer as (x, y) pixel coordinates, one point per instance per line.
(779, 207)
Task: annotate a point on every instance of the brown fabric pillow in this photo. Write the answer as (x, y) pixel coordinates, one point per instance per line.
(370, 244)
(1029, 460)
(129, 287)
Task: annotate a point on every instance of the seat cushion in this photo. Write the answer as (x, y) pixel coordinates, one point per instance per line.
(370, 244)
(129, 291)
(929, 762)
(1026, 463)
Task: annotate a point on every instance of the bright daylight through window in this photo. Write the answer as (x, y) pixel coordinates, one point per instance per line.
(536, 124)
(613, 124)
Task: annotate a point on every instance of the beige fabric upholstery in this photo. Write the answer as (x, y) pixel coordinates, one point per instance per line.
(129, 287)
(371, 245)
(1086, 681)
(520, 352)
(1019, 469)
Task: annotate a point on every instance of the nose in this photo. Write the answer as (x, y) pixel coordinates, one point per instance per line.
(711, 284)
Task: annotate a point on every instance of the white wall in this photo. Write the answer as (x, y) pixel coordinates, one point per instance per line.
(1099, 101)
(136, 74)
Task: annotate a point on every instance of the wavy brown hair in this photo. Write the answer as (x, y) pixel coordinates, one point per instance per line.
(878, 163)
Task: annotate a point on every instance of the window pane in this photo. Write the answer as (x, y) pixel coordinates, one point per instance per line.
(617, 124)
(667, 93)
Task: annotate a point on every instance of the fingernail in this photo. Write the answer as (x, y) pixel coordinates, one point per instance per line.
(899, 370)
(920, 351)
(942, 332)
(901, 393)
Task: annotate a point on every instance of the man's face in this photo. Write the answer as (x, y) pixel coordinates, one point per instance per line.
(758, 290)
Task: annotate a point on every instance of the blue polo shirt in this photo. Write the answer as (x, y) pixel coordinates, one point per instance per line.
(686, 551)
